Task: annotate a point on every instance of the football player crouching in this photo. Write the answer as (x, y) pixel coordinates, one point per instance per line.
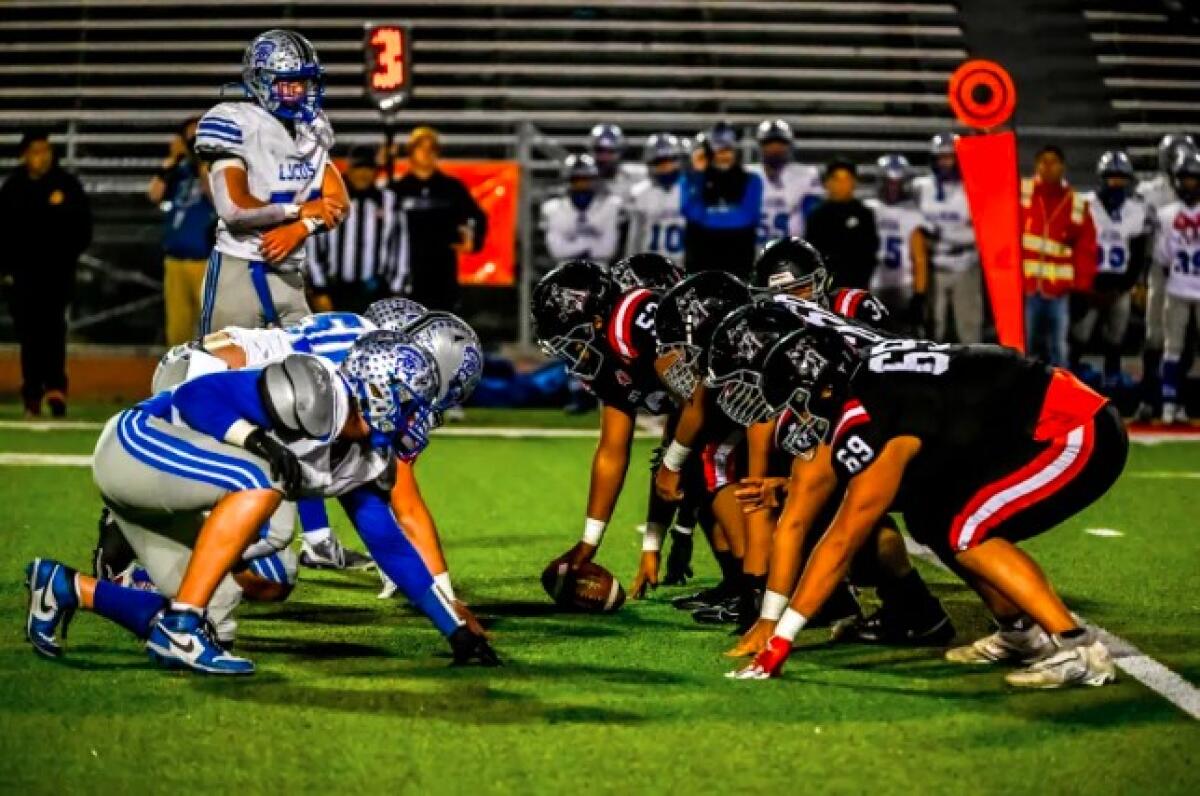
(605, 336)
(192, 474)
(980, 449)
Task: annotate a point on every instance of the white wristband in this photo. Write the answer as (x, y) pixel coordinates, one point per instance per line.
(773, 605)
(442, 581)
(236, 434)
(791, 623)
(593, 531)
(312, 224)
(676, 456)
(652, 539)
(291, 212)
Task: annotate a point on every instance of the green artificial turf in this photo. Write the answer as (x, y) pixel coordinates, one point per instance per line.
(354, 694)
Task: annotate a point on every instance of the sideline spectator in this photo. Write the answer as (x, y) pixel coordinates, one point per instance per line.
(1058, 254)
(656, 221)
(790, 190)
(442, 221)
(1177, 252)
(843, 228)
(46, 223)
(585, 221)
(358, 262)
(189, 229)
(957, 279)
(722, 205)
(607, 145)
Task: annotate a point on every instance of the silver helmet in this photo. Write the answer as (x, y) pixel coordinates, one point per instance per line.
(456, 351)
(284, 55)
(394, 384)
(394, 313)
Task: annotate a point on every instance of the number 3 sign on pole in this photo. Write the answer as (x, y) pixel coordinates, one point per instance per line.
(387, 50)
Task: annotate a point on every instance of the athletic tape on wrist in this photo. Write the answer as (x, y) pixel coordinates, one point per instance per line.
(773, 605)
(652, 539)
(593, 531)
(791, 623)
(676, 456)
(442, 580)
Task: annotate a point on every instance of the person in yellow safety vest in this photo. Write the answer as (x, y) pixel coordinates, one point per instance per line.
(1058, 254)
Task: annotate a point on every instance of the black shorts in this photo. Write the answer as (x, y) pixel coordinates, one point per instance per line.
(1018, 495)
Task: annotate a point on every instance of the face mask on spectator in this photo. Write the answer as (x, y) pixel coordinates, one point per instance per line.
(666, 179)
(582, 198)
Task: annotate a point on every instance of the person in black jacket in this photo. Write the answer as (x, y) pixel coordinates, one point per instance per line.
(441, 220)
(46, 223)
(721, 206)
(843, 228)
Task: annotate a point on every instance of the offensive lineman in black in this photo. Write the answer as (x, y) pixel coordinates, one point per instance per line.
(980, 449)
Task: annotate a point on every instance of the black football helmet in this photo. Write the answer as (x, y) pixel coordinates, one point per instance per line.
(648, 270)
(789, 264)
(566, 305)
(686, 318)
(805, 373)
(735, 356)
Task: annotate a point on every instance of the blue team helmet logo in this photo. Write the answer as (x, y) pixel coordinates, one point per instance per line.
(262, 51)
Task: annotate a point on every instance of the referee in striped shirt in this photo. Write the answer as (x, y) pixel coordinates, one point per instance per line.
(359, 262)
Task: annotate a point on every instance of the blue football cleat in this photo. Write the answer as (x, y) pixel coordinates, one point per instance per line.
(185, 639)
(52, 601)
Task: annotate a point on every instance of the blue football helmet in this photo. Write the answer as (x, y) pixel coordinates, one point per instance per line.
(1171, 148)
(580, 167)
(284, 55)
(721, 135)
(1115, 163)
(774, 130)
(394, 384)
(394, 313)
(456, 351)
(894, 173)
(607, 137)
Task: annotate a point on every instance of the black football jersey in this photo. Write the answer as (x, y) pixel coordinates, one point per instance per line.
(857, 333)
(967, 405)
(862, 306)
(627, 379)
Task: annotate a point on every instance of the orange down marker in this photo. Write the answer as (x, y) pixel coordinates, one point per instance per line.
(982, 96)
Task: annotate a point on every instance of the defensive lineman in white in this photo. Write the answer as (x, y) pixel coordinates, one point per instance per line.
(272, 183)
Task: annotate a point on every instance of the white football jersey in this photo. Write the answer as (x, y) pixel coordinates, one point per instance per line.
(328, 335)
(787, 200)
(1157, 193)
(1177, 249)
(656, 223)
(949, 218)
(280, 168)
(622, 184)
(895, 224)
(1114, 234)
(590, 233)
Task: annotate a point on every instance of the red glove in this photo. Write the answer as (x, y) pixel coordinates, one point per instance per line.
(766, 664)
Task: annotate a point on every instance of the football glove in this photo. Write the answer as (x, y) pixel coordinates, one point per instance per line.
(469, 646)
(285, 467)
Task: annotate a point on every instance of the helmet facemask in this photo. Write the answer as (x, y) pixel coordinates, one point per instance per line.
(741, 398)
(575, 348)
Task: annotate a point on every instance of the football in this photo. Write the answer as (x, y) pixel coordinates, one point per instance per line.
(596, 590)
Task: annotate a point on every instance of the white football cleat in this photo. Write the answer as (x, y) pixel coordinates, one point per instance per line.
(1005, 646)
(389, 587)
(1083, 664)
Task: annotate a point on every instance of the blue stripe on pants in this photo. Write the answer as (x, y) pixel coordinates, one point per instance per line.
(211, 275)
(258, 276)
(179, 457)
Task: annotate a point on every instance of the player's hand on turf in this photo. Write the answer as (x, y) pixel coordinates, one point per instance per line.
(757, 494)
(279, 242)
(666, 484)
(766, 664)
(579, 555)
(469, 647)
(285, 467)
(679, 560)
(329, 211)
(647, 574)
(469, 619)
(754, 641)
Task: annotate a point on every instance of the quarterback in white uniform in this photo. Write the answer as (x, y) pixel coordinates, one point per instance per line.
(1124, 225)
(273, 185)
(957, 280)
(901, 276)
(585, 222)
(1177, 253)
(790, 190)
(656, 223)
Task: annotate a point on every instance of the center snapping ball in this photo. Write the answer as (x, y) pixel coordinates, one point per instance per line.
(596, 590)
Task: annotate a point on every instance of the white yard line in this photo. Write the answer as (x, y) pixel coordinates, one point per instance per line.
(1128, 658)
(45, 460)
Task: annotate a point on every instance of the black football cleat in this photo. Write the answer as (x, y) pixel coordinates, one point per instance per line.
(931, 628)
(471, 647)
(727, 612)
(704, 598)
